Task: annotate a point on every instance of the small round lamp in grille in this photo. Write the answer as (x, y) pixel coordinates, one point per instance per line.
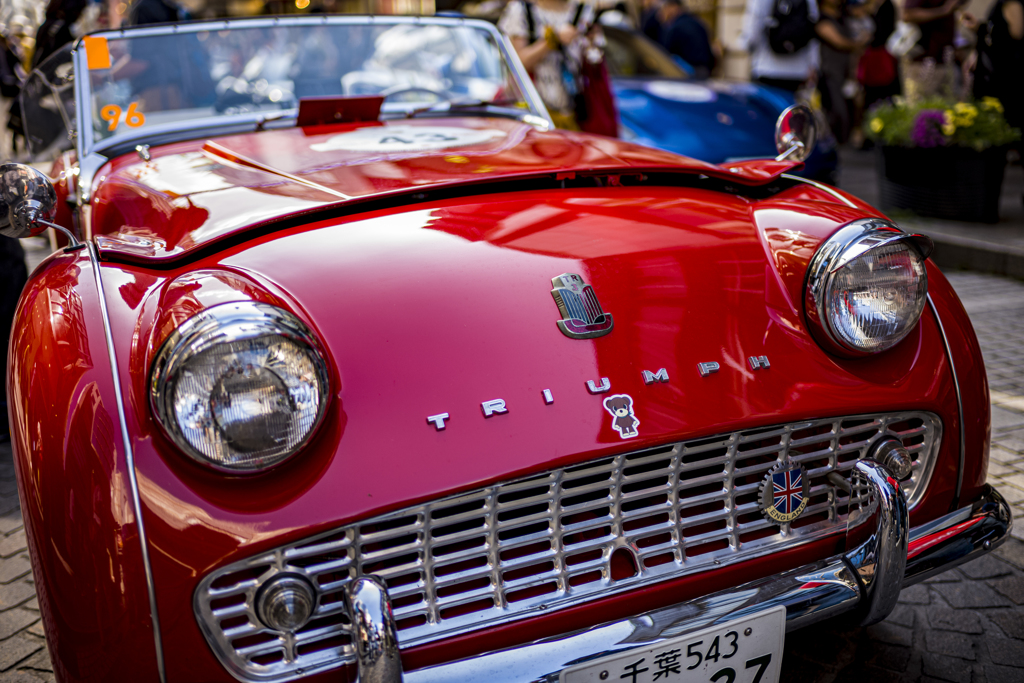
(286, 602)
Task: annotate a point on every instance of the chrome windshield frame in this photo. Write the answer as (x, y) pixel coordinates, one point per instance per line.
(86, 145)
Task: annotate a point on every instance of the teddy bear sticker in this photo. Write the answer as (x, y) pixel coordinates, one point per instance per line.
(623, 420)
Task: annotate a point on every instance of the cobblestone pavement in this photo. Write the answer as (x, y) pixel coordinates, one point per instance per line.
(964, 626)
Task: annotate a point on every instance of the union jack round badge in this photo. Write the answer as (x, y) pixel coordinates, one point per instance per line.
(784, 493)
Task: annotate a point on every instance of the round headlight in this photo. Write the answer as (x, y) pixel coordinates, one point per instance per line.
(240, 387)
(867, 287)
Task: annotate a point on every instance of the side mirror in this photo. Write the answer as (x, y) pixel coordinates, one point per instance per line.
(795, 133)
(28, 203)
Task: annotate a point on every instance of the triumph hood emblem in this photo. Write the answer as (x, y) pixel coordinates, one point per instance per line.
(582, 317)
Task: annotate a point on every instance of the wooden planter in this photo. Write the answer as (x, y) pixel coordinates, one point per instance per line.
(955, 183)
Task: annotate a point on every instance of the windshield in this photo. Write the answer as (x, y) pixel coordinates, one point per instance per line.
(631, 54)
(48, 106)
(159, 80)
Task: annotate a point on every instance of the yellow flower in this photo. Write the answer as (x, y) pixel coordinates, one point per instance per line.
(957, 119)
(965, 109)
(949, 122)
(965, 121)
(877, 125)
(992, 103)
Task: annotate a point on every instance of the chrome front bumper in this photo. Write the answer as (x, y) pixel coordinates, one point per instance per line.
(866, 580)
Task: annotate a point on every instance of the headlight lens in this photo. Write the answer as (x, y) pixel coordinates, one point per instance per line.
(240, 387)
(867, 287)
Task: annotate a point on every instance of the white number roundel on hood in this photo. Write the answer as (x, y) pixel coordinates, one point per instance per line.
(407, 139)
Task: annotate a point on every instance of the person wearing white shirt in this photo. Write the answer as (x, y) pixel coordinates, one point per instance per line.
(788, 72)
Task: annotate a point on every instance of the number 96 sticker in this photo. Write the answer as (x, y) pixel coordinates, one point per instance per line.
(747, 650)
(133, 118)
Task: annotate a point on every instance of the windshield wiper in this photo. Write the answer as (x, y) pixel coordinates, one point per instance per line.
(499, 108)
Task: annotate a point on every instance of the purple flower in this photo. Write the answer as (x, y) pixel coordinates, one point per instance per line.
(927, 130)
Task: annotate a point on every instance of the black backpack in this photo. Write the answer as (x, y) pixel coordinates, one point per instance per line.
(790, 27)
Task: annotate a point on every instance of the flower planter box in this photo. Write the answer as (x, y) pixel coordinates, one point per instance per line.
(956, 183)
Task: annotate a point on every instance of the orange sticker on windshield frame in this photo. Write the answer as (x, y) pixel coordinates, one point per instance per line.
(97, 53)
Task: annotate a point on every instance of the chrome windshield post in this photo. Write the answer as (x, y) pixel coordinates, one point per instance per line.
(373, 630)
(881, 561)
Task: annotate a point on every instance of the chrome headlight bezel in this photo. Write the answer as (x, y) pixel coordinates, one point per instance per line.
(849, 243)
(225, 324)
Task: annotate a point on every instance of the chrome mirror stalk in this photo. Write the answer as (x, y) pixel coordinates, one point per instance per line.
(796, 133)
(373, 631)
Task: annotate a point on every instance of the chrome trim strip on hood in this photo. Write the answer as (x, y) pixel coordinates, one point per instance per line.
(130, 464)
(822, 187)
(959, 404)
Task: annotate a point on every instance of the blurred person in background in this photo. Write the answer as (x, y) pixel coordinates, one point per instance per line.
(155, 12)
(838, 42)
(13, 273)
(13, 276)
(928, 69)
(12, 74)
(999, 62)
(789, 71)
(878, 71)
(551, 47)
(56, 30)
(685, 35)
(650, 19)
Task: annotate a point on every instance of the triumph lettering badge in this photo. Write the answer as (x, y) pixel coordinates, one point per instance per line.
(582, 317)
(784, 493)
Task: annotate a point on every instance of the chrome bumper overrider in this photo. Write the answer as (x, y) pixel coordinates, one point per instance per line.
(866, 580)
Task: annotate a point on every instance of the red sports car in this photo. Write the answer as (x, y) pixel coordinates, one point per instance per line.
(352, 367)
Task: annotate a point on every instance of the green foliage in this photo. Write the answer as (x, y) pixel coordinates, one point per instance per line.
(978, 125)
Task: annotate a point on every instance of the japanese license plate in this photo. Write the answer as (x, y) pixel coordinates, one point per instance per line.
(747, 650)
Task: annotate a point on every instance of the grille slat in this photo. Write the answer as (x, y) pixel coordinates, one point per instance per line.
(703, 481)
(238, 589)
(551, 541)
(462, 577)
(390, 534)
(527, 560)
(230, 612)
(317, 549)
(332, 566)
(240, 631)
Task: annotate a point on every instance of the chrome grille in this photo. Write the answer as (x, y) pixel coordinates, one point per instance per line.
(553, 540)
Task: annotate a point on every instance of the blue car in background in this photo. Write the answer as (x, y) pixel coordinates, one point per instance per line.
(712, 120)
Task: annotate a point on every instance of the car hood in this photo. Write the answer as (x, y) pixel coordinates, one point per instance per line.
(712, 120)
(445, 306)
(191, 195)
